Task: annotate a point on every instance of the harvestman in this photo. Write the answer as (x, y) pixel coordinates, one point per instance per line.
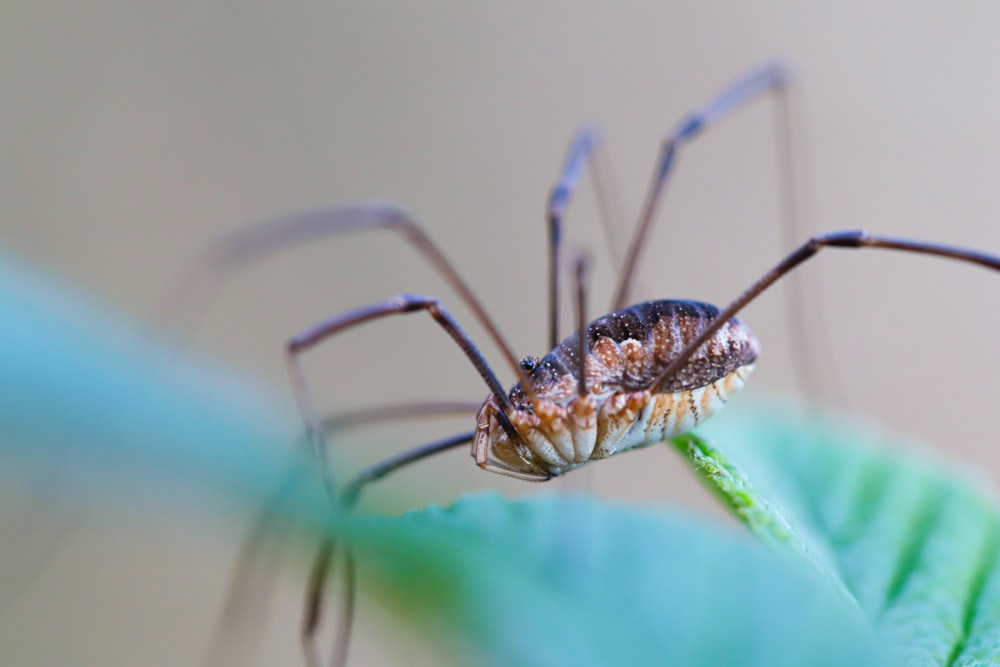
(637, 376)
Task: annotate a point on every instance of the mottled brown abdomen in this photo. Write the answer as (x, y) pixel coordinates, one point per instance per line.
(629, 348)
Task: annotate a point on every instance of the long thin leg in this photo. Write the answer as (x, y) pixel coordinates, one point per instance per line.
(610, 203)
(321, 566)
(314, 606)
(250, 583)
(768, 79)
(401, 304)
(313, 336)
(312, 613)
(586, 149)
(845, 239)
(581, 268)
(342, 642)
(582, 481)
(237, 631)
(583, 144)
(352, 490)
(254, 242)
(812, 348)
(398, 411)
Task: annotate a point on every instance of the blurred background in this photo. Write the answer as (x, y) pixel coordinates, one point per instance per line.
(135, 133)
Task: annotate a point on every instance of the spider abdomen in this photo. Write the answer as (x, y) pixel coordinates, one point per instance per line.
(629, 349)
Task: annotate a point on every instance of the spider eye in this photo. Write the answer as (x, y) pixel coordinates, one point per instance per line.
(529, 363)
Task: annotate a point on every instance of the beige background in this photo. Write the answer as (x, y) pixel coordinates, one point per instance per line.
(133, 133)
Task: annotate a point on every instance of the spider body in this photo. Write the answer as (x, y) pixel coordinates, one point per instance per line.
(632, 378)
(623, 407)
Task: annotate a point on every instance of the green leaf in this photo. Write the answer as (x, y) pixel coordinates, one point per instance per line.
(555, 581)
(915, 544)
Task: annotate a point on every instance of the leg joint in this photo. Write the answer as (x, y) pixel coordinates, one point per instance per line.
(408, 303)
(852, 238)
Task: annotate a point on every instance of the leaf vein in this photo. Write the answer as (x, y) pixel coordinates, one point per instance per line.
(986, 563)
(921, 527)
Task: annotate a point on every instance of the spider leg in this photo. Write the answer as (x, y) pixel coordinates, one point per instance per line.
(399, 411)
(313, 336)
(845, 239)
(312, 612)
(771, 79)
(579, 152)
(254, 242)
(375, 472)
(242, 615)
(398, 305)
(581, 269)
(235, 638)
(587, 149)
(808, 336)
(351, 494)
(321, 566)
(345, 624)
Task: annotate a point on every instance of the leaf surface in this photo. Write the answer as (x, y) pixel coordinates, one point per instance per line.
(913, 542)
(556, 581)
